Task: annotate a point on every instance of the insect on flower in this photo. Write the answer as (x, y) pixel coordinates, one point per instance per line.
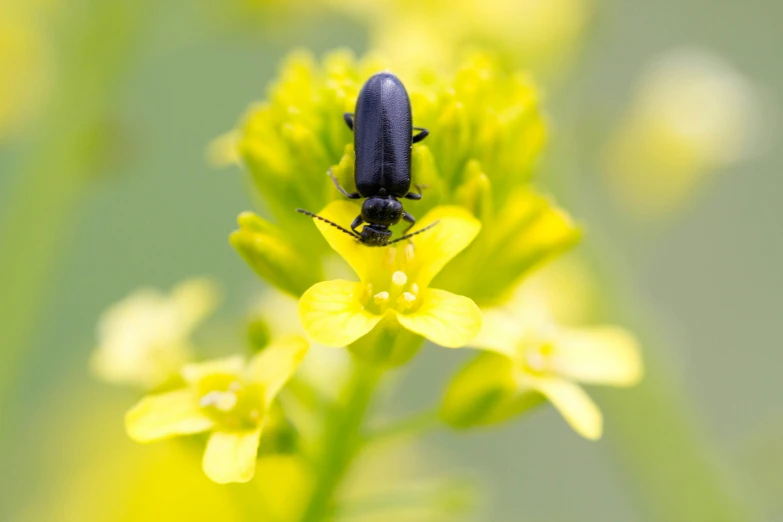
(383, 137)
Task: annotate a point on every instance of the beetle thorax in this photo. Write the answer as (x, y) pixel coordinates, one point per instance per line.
(384, 211)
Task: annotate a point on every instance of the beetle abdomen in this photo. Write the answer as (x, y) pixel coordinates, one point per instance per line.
(383, 130)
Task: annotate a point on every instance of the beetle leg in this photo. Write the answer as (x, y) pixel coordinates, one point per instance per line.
(415, 195)
(348, 117)
(410, 219)
(356, 223)
(423, 133)
(352, 195)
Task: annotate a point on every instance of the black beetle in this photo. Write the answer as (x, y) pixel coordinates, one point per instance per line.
(383, 137)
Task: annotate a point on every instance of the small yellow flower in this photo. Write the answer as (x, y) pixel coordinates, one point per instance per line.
(229, 398)
(144, 339)
(25, 62)
(531, 360)
(539, 33)
(692, 114)
(394, 283)
(487, 131)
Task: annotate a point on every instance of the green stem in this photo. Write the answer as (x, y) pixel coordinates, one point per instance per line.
(342, 440)
(408, 427)
(652, 429)
(656, 435)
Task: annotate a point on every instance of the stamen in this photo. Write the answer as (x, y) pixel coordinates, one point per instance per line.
(367, 291)
(391, 254)
(399, 278)
(415, 288)
(406, 300)
(223, 401)
(536, 361)
(410, 251)
(381, 297)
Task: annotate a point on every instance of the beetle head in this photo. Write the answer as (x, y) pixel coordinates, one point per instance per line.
(375, 235)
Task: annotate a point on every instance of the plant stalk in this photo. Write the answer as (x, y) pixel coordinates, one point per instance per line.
(342, 440)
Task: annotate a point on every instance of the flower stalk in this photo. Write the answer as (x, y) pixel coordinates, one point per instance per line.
(341, 440)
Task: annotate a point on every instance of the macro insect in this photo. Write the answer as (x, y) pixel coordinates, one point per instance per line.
(382, 125)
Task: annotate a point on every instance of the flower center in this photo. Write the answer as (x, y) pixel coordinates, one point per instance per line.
(536, 357)
(398, 293)
(230, 402)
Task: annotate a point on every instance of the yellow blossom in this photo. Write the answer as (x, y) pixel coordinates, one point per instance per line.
(691, 115)
(486, 133)
(531, 358)
(229, 398)
(394, 283)
(24, 62)
(542, 34)
(144, 339)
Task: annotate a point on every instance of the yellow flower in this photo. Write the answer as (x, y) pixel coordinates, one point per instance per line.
(25, 62)
(691, 115)
(229, 398)
(529, 360)
(144, 339)
(394, 283)
(486, 133)
(539, 33)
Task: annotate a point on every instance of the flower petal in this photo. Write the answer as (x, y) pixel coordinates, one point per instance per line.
(444, 318)
(231, 456)
(276, 364)
(601, 355)
(574, 405)
(332, 314)
(455, 230)
(362, 259)
(499, 333)
(166, 415)
(231, 365)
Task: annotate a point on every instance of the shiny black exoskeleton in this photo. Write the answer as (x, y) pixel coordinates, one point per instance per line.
(383, 137)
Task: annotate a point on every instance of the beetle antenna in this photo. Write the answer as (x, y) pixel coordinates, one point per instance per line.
(414, 234)
(335, 225)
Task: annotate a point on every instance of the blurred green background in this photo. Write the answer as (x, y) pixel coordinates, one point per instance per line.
(107, 188)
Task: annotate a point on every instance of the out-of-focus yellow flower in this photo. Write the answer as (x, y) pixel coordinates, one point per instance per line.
(24, 62)
(531, 358)
(541, 34)
(691, 115)
(145, 339)
(229, 398)
(394, 283)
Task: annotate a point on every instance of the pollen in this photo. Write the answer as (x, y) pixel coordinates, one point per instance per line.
(399, 278)
(408, 297)
(381, 297)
